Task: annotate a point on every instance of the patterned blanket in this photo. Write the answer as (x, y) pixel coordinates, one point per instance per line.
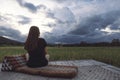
(10, 63)
(17, 63)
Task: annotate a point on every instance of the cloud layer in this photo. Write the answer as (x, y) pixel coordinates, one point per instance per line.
(11, 33)
(91, 21)
(65, 21)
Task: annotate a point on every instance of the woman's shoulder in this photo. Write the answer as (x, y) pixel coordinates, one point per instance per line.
(41, 39)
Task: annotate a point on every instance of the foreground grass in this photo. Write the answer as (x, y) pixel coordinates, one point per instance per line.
(5, 51)
(110, 55)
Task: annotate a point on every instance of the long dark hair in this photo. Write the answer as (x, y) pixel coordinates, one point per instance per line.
(32, 39)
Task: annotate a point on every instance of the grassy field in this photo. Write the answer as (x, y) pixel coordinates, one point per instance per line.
(110, 55)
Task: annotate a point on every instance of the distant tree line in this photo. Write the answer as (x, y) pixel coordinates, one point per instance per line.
(114, 42)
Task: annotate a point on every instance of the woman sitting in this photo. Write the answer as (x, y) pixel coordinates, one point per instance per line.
(36, 48)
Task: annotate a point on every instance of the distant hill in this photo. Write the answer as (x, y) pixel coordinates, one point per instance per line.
(6, 41)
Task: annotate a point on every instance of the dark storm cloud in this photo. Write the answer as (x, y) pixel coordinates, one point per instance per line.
(59, 1)
(115, 25)
(27, 5)
(67, 1)
(62, 15)
(49, 24)
(50, 14)
(31, 7)
(89, 25)
(75, 1)
(11, 33)
(89, 29)
(41, 6)
(105, 38)
(65, 15)
(98, 36)
(25, 20)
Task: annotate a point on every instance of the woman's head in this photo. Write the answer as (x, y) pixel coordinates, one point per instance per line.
(34, 31)
(32, 39)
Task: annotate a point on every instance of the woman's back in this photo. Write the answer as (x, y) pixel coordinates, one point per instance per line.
(37, 56)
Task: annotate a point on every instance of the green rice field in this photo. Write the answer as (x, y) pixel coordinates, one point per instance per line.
(110, 55)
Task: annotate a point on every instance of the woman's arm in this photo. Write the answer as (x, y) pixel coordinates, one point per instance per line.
(46, 54)
(46, 51)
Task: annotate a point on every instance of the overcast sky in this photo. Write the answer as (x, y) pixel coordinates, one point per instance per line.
(66, 21)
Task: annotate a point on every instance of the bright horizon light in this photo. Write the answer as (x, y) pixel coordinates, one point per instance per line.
(12, 10)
